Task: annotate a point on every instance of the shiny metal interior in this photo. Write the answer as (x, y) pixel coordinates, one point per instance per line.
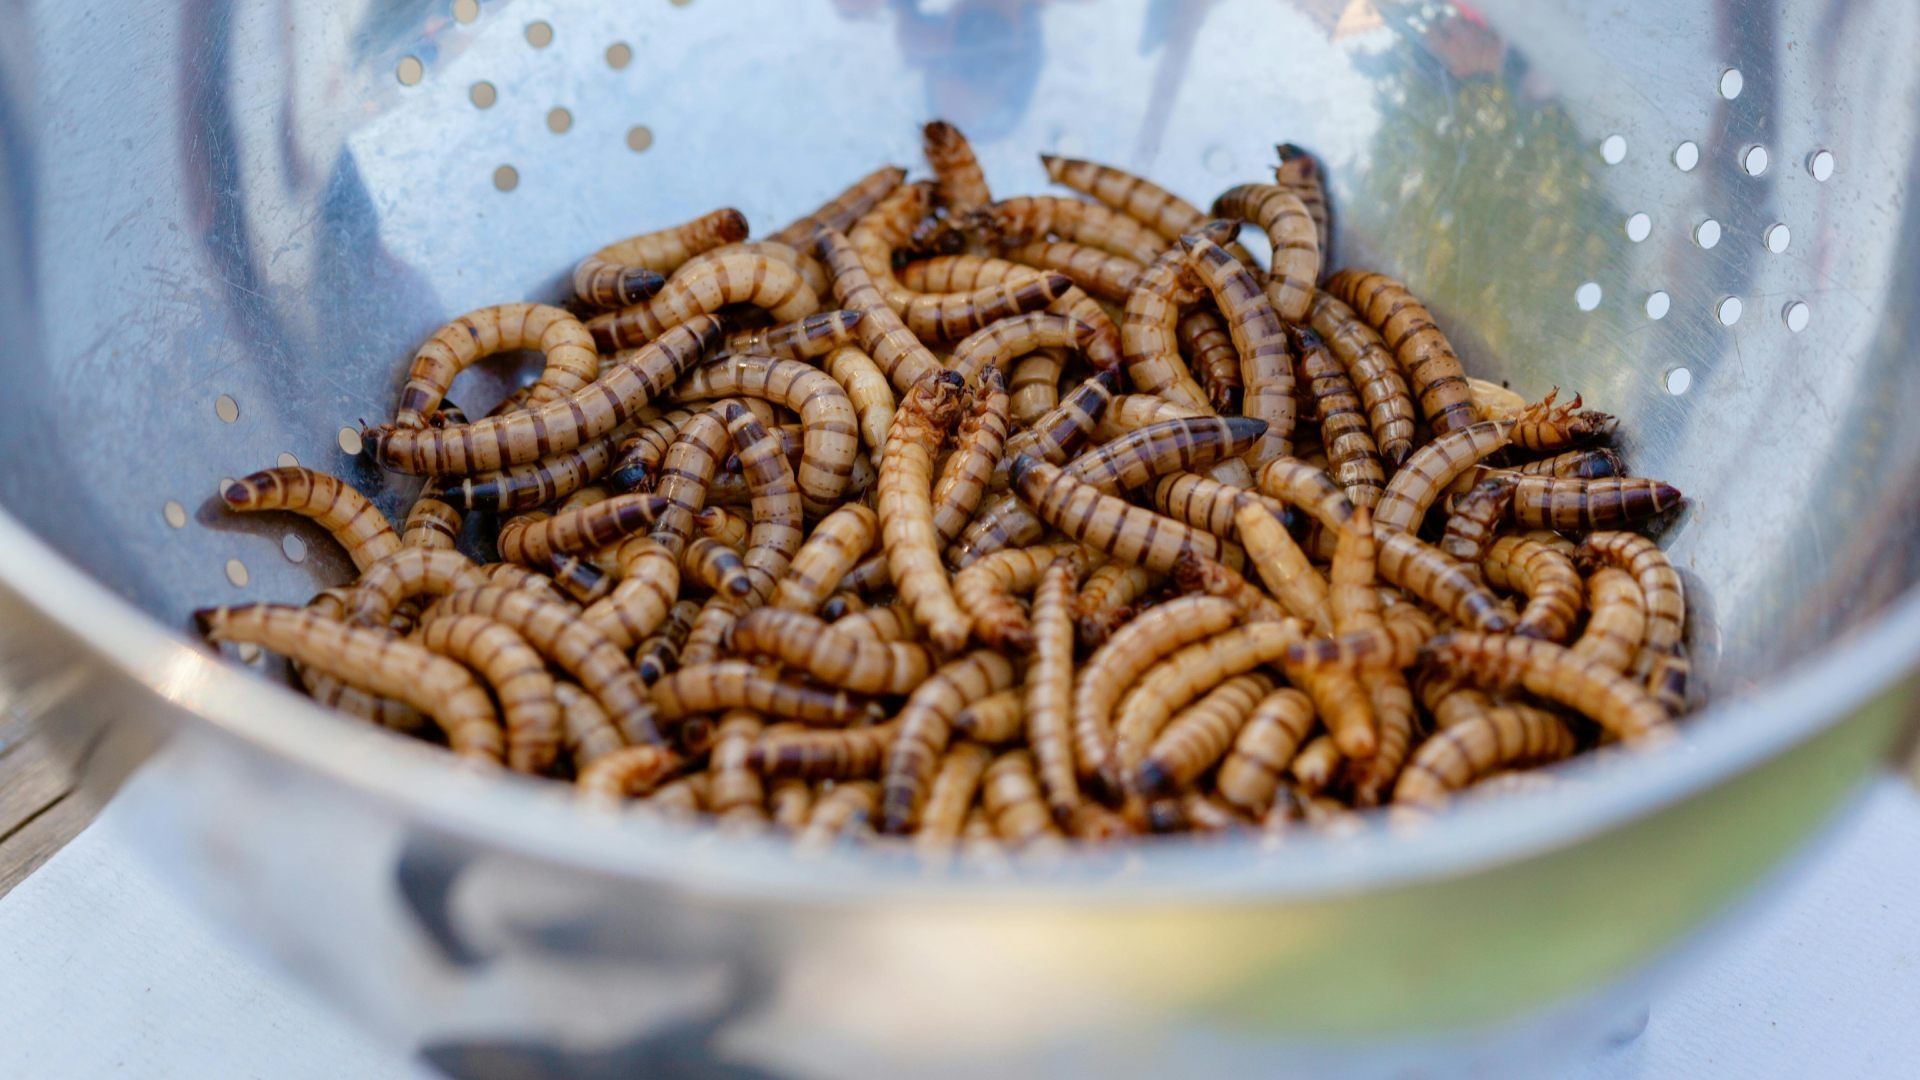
(226, 226)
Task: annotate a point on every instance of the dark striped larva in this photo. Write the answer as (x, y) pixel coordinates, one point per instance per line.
(572, 362)
(1549, 580)
(1502, 737)
(831, 440)
(1407, 327)
(1049, 691)
(355, 523)
(629, 271)
(703, 286)
(1165, 213)
(925, 727)
(840, 212)
(1265, 364)
(1353, 459)
(1280, 214)
(905, 508)
(1502, 661)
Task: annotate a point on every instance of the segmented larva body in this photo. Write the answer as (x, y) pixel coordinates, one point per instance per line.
(742, 684)
(1283, 566)
(1011, 793)
(1395, 719)
(1504, 736)
(831, 440)
(572, 362)
(707, 641)
(679, 798)
(1424, 571)
(1212, 358)
(1280, 214)
(703, 286)
(1568, 505)
(1178, 678)
(986, 591)
(1130, 412)
(1212, 578)
(883, 337)
(1106, 600)
(1265, 746)
(1423, 476)
(685, 474)
(925, 726)
(1317, 765)
(1353, 458)
(509, 576)
(585, 730)
(803, 339)
(629, 271)
(867, 390)
(649, 580)
(1589, 464)
(1049, 690)
(951, 795)
(1475, 517)
(632, 772)
(889, 225)
(1107, 523)
(830, 656)
(1149, 348)
(1301, 174)
(1503, 661)
(1265, 364)
(1034, 383)
(954, 316)
(722, 524)
(331, 692)
(960, 183)
(1107, 276)
(977, 449)
(905, 508)
(1000, 717)
(777, 516)
(524, 487)
(842, 813)
(1551, 428)
(1374, 373)
(845, 754)
(1054, 434)
(1310, 488)
(839, 541)
(1206, 503)
(1407, 328)
(518, 676)
(659, 653)
(405, 574)
(1143, 200)
(891, 623)
(1618, 620)
(841, 604)
(1199, 735)
(949, 273)
(1035, 217)
(532, 434)
(840, 212)
(1547, 577)
(355, 523)
(737, 787)
(998, 343)
(534, 539)
(581, 578)
(718, 567)
(1665, 598)
(432, 522)
(372, 660)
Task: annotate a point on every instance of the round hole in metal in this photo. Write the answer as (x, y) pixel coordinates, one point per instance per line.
(539, 34)
(619, 55)
(506, 178)
(639, 138)
(226, 408)
(1729, 310)
(1587, 296)
(1657, 305)
(1797, 314)
(349, 440)
(482, 94)
(1613, 149)
(1639, 227)
(1686, 156)
(1679, 380)
(175, 514)
(237, 573)
(409, 71)
(1707, 234)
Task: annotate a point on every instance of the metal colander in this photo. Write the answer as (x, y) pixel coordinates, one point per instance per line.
(225, 227)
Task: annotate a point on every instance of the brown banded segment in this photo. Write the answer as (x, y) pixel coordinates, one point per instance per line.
(1036, 217)
(1547, 577)
(433, 522)
(1266, 366)
(1149, 348)
(518, 676)
(1423, 476)
(778, 518)
(970, 272)
(686, 474)
(1054, 434)
(1177, 679)
(403, 575)
(1034, 383)
(1569, 505)
(1199, 735)
(355, 523)
(630, 772)
(1274, 731)
(1102, 274)
(831, 440)
(1297, 483)
(839, 541)
(1550, 428)
(840, 212)
(1407, 328)
(372, 660)
(905, 507)
(925, 726)
(1280, 213)
(804, 339)
(496, 442)
(1502, 661)
(1504, 736)
(997, 344)
(1665, 598)
(718, 567)
(1476, 517)
(702, 287)
(1373, 371)
(1000, 717)
(580, 578)
(742, 684)
(951, 794)
(1143, 200)
(1618, 623)
(1157, 632)
(1105, 522)
(899, 354)
(629, 271)
(976, 451)
(532, 540)
(659, 653)
(1353, 459)
(1447, 586)
(868, 391)
(1010, 791)
(1212, 358)
(1049, 689)
(845, 754)
(953, 316)
(571, 362)
(833, 657)
(524, 487)
(1206, 503)
(1106, 600)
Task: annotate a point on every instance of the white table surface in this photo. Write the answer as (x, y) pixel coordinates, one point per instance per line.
(105, 972)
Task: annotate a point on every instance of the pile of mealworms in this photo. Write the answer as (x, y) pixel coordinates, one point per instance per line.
(996, 520)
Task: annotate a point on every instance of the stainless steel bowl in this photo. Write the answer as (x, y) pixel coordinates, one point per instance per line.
(223, 227)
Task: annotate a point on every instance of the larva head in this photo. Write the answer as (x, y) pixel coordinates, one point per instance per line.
(1296, 165)
(941, 138)
(1242, 433)
(448, 413)
(638, 283)
(1304, 340)
(726, 225)
(1220, 230)
(1202, 251)
(208, 619)
(1198, 574)
(941, 397)
(1024, 466)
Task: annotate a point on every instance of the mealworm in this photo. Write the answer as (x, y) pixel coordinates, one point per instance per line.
(777, 515)
(707, 640)
(954, 316)
(867, 391)
(1273, 733)
(533, 540)
(1149, 349)
(1395, 718)
(716, 566)
(1424, 475)
(1206, 503)
(721, 524)
(587, 732)
(1283, 566)
(373, 660)
(925, 725)
(737, 787)
(951, 795)
(631, 772)
(840, 212)
(963, 272)
(683, 797)
(1424, 571)
(1102, 274)
(433, 522)
(1212, 578)
(1131, 412)
(1568, 505)
(524, 487)
(629, 271)
(685, 475)
(830, 656)
(969, 468)
(1034, 383)
(1010, 791)
(1491, 401)
(840, 540)
(1374, 373)
(355, 524)
(1177, 679)
(509, 576)
(403, 575)
(1550, 428)
(831, 441)
(1036, 217)
(1212, 358)
(1280, 214)
(803, 339)
(1503, 736)
(1049, 690)
(1158, 632)
(1299, 484)
(1104, 522)
(1665, 599)
(518, 676)
(331, 692)
(1266, 369)
(1053, 435)
(1407, 328)
(741, 684)
(1501, 662)
(1301, 174)
(1354, 458)
(659, 653)
(841, 604)
(985, 590)
(571, 362)
(1548, 579)
(905, 508)
(1199, 735)
(1317, 766)
(649, 580)
(843, 754)
(891, 224)
(1590, 464)
(532, 434)
(1106, 599)
(701, 287)
(1475, 516)
(1152, 205)
(998, 343)
(1618, 622)
(1000, 717)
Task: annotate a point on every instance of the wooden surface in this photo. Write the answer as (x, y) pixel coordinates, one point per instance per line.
(42, 805)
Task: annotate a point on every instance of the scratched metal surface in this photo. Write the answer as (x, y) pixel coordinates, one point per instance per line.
(214, 198)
